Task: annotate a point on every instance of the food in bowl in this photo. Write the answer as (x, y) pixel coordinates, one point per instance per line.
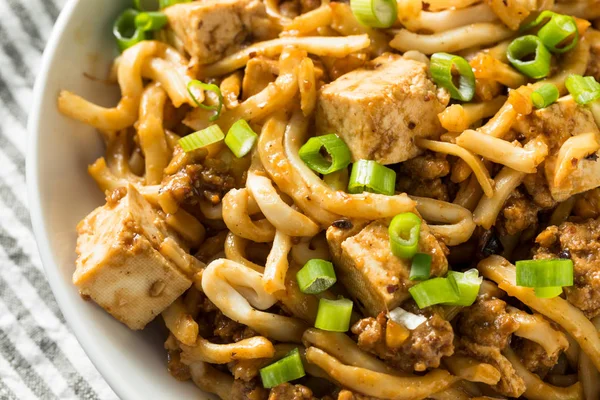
(344, 201)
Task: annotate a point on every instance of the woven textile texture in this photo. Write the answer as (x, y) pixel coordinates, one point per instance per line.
(39, 356)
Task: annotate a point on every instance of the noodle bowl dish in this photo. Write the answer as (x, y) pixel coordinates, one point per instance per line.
(319, 199)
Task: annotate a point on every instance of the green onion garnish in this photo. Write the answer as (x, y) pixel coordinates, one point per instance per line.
(146, 5)
(240, 138)
(548, 292)
(125, 31)
(210, 87)
(335, 147)
(442, 71)
(556, 30)
(168, 3)
(584, 89)
(202, 138)
(287, 369)
(545, 273)
(546, 95)
(404, 232)
(468, 284)
(316, 276)
(375, 13)
(421, 267)
(529, 46)
(150, 21)
(435, 291)
(334, 315)
(370, 176)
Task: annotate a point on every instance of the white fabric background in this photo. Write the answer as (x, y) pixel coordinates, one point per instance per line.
(39, 356)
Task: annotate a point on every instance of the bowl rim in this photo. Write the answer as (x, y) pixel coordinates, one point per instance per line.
(118, 382)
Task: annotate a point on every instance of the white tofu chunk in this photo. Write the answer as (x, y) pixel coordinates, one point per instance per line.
(118, 264)
(379, 110)
(365, 264)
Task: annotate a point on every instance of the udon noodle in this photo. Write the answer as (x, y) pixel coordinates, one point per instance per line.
(215, 237)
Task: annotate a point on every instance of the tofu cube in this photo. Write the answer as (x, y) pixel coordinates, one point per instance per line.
(213, 29)
(379, 110)
(118, 264)
(365, 264)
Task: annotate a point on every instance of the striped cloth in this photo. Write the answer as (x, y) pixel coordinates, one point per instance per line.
(39, 356)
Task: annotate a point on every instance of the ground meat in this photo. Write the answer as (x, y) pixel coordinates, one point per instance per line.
(593, 68)
(534, 357)
(423, 349)
(510, 383)
(251, 390)
(348, 395)
(580, 242)
(487, 323)
(518, 213)
(176, 368)
(587, 204)
(537, 187)
(421, 176)
(287, 391)
(193, 183)
(293, 8)
(230, 331)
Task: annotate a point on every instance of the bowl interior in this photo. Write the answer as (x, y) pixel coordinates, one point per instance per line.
(61, 194)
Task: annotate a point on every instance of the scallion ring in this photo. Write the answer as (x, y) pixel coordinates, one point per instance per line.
(287, 369)
(334, 315)
(404, 232)
(370, 176)
(146, 5)
(125, 31)
(207, 87)
(203, 138)
(151, 21)
(584, 89)
(420, 267)
(560, 34)
(548, 292)
(468, 284)
(529, 46)
(240, 138)
(375, 13)
(316, 276)
(545, 273)
(435, 291)
(546, 95)
(337, 150)
(443, 67)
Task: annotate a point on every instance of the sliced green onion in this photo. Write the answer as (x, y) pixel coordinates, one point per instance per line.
(442, 71)
(375, 13)
(526, 46)
(557, 31)
(146, 5)
(125, 31)
(404, 231)
(202, 138)
(240, 138)
(151, 21)
(468, 284)
(370, 176)
(407, 319)
(545, 273)
(316, 276)
(168, 3)
(207, 87)
(584, 89)
(548, 292)
(421, 267)
(435, 291)
(546, 95)
(287, 369)
(335, 147)
(334, 315)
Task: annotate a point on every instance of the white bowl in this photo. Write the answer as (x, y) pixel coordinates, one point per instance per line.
(61, 193)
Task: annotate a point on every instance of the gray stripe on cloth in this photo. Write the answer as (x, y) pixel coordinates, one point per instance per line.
(48, 346)
(14, 55)
(27, 24)
(22, 367)
(5, 392)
